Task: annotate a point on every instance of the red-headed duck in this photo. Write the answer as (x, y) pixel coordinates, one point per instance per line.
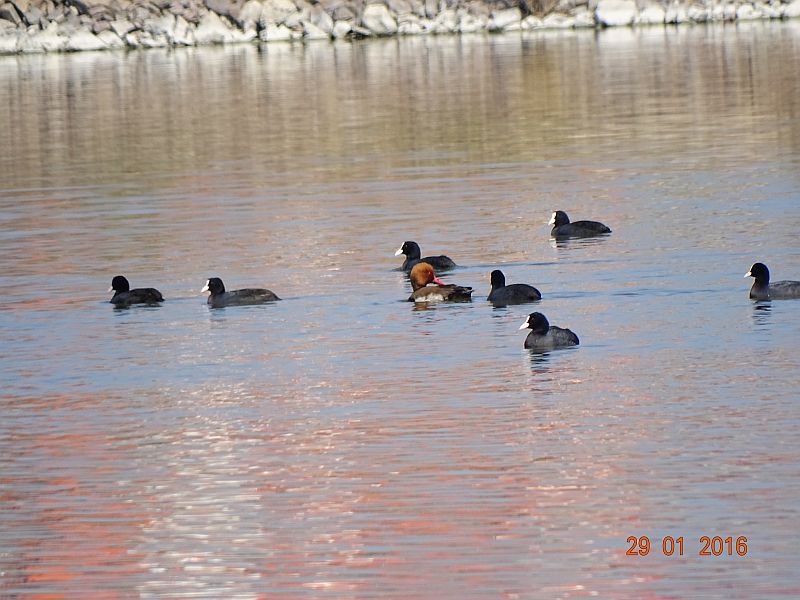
(423, 274)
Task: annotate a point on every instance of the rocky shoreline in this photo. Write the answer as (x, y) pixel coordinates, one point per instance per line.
(29, 26)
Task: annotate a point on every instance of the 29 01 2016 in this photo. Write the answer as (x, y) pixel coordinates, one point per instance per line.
(709, 546)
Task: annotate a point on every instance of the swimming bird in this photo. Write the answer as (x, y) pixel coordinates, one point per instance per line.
(516, 293)
(219, 297)
(413, 253)
(423, 274)
(563, 228)
(125, 296)
(764, 290)
(544, 336)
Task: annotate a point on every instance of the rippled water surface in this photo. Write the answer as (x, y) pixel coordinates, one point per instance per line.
(343, 443)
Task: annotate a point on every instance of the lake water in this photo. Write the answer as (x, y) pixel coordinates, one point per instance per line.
(343, 443)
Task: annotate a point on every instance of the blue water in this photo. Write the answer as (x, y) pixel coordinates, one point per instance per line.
(342, 442)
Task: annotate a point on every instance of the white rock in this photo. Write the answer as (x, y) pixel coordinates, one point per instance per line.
(531, 22)
(183, 34)
(49, 40)
(557, 21)
(276, 11)
(768, 11)
(729, 12)
(676, 13)
(8, 42)
(132, 39)
(153, 40)
(409, 26)
(697, 13)
(428, 25)
(84, 40)
(296, 19)
(379, 20)
(312, 32)
(240, 37)
(446, 21)
(792, 10)
(164, 24)
(584, 18)
(652, 14)
(468, 23)
(276, 33)
(615, 13)
(28, 44)
(111, 39)
(211, 30)
(747, 12)
(502, 20)
(341, 29)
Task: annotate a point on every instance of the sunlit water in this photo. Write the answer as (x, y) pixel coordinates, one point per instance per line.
(343, 443)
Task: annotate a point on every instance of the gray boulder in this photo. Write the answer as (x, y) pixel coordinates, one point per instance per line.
(275, 11)
(9, 13)
(225, 8)
(122, 27)
(250, 14)
(320, 19)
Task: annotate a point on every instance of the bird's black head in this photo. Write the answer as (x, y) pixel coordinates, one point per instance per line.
(537, 322)
(559, 218)
(760, 272)
(498, 279)
(214, 285)
(120, 284)
(410, 249)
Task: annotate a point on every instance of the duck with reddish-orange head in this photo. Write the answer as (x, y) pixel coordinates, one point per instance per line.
(429, 288)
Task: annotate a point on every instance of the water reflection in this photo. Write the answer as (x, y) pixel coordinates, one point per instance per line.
(338, 442)
(762, 313)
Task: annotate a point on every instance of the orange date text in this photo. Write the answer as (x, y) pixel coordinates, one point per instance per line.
(707, 546)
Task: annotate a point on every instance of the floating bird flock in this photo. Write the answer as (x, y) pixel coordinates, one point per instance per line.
(428, 288)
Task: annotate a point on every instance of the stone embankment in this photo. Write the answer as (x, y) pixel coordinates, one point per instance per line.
(56, 26)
